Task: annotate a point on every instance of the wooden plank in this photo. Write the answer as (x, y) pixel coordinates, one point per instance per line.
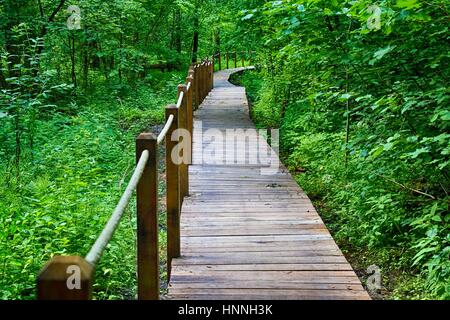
(192, 250)
(264, 267)
(270, 294)
(181, 287)
(262, 259)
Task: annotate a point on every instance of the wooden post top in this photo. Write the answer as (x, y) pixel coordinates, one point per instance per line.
(65, 278)
(56, 269)
(146, 136)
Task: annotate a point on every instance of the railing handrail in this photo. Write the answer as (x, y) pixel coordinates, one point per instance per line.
(163, 133)
(102, 241)
(180, 100)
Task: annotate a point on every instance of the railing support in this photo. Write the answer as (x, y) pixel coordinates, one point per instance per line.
(235, 58)
(228, 60)
(220, 61)
(65, 278)
(243, 58)
(202, 81)
(212, 79)
(147, 221)
(205, 80)
(190, 111)
(183, 124)
(198, 76)
(194, 73)
(173, 195)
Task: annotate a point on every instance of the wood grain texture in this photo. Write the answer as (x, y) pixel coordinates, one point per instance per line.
(246, 235)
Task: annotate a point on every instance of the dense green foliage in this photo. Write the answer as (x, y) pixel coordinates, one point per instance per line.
(364, 118)
(362, 108)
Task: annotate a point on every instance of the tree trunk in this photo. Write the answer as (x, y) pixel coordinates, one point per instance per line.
(120, 50)
(196, 35)
(217, 41)
(3, 83)
(178, 45)
(72, 58)
(86, 65)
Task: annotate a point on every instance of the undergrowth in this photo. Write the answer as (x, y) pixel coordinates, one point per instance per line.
(69, 183)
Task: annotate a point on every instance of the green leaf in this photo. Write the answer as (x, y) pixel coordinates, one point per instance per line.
(381, 53)
(345, 96)
(418, 152)
(408, 4)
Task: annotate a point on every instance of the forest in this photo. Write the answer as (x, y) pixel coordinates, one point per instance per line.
(358, 89)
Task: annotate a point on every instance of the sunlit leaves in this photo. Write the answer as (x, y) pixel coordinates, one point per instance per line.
(408, 4)
(378, 55)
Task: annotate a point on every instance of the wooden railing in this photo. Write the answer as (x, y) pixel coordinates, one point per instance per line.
(231, 58)
(71, 277)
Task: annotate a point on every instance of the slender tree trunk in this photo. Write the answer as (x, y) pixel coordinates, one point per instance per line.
(86, 65)
(18, 134)
(120, 51)
(347, 125)
(217, 41)
(72, 57)
(178, 44)
(196, 36)
(3, 83)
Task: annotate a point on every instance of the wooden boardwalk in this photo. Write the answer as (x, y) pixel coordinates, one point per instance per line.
(247, 233)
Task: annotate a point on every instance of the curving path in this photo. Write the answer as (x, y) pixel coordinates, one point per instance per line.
(248, 231)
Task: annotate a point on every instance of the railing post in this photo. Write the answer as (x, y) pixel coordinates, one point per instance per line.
(212, 80)
(205, 80)
(147, 221)
(183, 124)
(210, 73)
(200, 83)
(65, 278)
(195, 74)
(204, 77)
(235, 58)
(190, 111)
(228, 60)
(220, 61)
(173, 195)
(243, 58)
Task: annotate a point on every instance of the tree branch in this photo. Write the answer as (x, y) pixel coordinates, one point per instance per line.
(41, 9)
(55, 12)
(407, 188)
